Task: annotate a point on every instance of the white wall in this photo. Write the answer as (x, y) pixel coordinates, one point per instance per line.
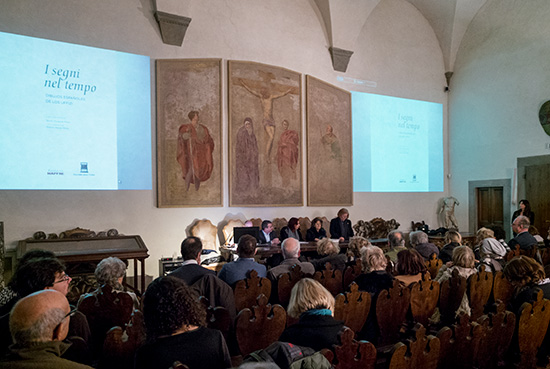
(501, 79)
(397, 49)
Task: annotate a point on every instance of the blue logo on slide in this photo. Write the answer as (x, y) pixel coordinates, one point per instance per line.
(83, 167)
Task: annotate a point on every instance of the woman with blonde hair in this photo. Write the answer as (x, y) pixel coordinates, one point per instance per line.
(355, 246)
(313, 305)
(329, 252)
(489, 250)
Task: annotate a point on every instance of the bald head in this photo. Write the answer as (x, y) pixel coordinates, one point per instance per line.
(290, 248)
(40, 317)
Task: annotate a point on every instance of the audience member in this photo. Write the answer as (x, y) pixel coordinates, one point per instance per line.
(488, 250)
(313, 305)
(39, 323)
(292, 230)
(419, 241)
(535, 233)
(464, 262)
(396, 242)
(235, 271)
(267, 234)
(500, 235)
(355, 247)
(452, 240)
(340, 227)
(290, 249)
(191, 271)
(373, 279)
(329, 252)
(316, 231)
(175, 322)
(524, 239)
(410, 267)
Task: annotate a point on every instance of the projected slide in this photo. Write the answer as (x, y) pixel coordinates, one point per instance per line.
(397, 144)
(66, 114)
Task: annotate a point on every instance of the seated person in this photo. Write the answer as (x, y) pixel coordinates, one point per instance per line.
(290, 249)
(340, 227)
(452, 240)
(535, 233)
(313, 305)
(523, 239)
(396, 242)
(463, 261)
(175, 322)
(267, 234)
(238, 270)
(355, 247)
(329, 252)
(191, 270)
(490, 252)
(291, 230)
(111, 271)
(316, 231)
(410, 267)
(419, 241)
(373, 279)
(39, 323)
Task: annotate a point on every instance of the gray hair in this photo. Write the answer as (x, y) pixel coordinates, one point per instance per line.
(418, 237)
(40, 331)
(395, 238)
(109, 270)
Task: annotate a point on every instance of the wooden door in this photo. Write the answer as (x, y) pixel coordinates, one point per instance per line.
(490, 207)
(537, 191)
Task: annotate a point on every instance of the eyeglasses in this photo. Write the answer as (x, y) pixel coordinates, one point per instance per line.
(64, 278)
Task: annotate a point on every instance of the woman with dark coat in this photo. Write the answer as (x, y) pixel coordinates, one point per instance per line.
(292, 230)
(316, 232)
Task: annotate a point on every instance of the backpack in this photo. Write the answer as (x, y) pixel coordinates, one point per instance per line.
(289, 356)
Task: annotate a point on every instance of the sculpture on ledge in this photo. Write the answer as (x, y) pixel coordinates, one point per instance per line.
(376, 228)
(75, 233)
(448, 209)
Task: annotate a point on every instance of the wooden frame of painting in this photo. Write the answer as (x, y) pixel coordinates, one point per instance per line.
(265, 135)
(189, 145)
(329, 144)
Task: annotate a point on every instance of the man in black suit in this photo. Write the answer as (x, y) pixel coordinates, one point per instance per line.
(191, 271)
(524, 239)
(267, 234)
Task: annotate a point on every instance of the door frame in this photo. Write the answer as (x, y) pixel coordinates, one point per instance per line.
(526, 162)
(506, 185)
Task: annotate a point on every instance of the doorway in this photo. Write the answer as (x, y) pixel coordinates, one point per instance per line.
(490, 207)
(533, 185)
(488, 200)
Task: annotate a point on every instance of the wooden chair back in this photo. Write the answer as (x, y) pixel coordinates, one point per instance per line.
(326, 225)
(228, 230)
(391, 312)
(545, 256)
(352, 308)
(420, 352)
(278, 224)
(424, 298)
(256, 222)
(390, 266)
(246, 291)
(498, 332)
(305, 224)
(330, 278)
(351, 272)
(512, 254)
(121, 343)
(352, 354)
(502, 288)
(286, 281)
(217, 317)
(479, 291)
(533, 324)
(451, 292)
(433, 265)
(208, 233)
(460, 344)
(260, 326)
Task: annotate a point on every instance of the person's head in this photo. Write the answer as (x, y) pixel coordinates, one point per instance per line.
(31, 254)
(110, 271)
(193, 116)
(373, 259)
(328, 129)
(191, 248)
(463, 256)
(170, 306)
(267, 226)
(410, 262)
(355, 245)
(418, 237)
(42, 316)
(395, 239)
(247, 246)
(453, 236)
(499, 232)
(290, 248)
(525, 206)
(248, 124)
(521, 224)
(39, 274)
(293, 224)
(248, 223)
(285, 125)
(533, 230)
(523, 270)
(327, 247)
(484, 233)
(308, 294)
(317, 224)
(343, 214)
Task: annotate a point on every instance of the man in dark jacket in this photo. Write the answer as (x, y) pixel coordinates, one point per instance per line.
(191, 270)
